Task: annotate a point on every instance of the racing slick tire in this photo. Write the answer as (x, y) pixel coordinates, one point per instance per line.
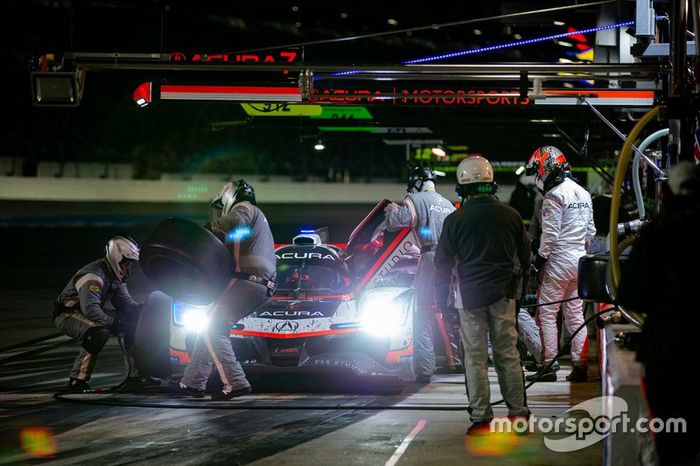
(151, 349)
(186, 261)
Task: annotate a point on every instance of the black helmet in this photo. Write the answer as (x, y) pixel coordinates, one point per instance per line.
(233, 193)
(418, 176)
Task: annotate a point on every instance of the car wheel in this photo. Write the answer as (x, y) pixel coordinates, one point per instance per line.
(151, 349)
(186, 261)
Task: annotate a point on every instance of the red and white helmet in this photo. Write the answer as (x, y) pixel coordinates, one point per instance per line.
(121, 253)
(550, 167)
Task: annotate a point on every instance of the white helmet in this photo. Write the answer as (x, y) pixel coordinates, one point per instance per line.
(475, 176)
(121, 252)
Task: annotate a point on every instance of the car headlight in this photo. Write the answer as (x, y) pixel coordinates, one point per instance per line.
(193, 318)
(382, 316)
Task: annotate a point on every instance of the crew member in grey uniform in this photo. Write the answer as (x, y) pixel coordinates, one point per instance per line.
(484, 243)
(423, 210)
(567, 230)
(79, 311)
(243, 227)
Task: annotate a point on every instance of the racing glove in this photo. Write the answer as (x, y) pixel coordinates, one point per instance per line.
(539, 262)
(118, 326)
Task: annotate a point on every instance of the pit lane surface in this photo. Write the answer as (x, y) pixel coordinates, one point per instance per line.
(274, 427)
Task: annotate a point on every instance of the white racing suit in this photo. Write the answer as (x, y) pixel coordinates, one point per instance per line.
(567, 227)
(424, 212)
(79, 312)
(248, 235)
(529, 334)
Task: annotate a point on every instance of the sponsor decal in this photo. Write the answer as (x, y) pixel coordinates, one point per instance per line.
(394, 258)
(286, 326)
(304, 255)
(283, 314)
(546, 212)
(94, 288)
(578, 205)
(442, 210)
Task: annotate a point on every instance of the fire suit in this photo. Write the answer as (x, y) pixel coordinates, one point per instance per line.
(247, 234)
(79, 312)
(567, 229)
(424, 212)
(485, 244)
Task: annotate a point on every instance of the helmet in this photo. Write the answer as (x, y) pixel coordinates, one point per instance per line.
(233, 193)
(549, 166)
(418, 176)
(475, 176)
(121, 252)
(684, 179)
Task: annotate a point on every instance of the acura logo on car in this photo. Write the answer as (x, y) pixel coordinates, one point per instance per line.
(286, 326)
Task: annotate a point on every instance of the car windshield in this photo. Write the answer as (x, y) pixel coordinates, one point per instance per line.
(304, 277)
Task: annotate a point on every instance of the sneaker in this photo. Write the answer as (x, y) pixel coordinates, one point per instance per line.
(578, 374)
(542, 376)
(223, 396)
(78, 386)
(423, 378)
(479, 428)
(180, 387)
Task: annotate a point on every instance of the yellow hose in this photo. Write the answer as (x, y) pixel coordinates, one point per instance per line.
(620, 174)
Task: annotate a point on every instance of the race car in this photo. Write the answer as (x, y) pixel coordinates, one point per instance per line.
(346, 308)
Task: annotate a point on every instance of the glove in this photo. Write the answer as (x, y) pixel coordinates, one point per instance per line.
(539, 262)
(533, 282)
(118, 326)
(390, 206)
(124, 323)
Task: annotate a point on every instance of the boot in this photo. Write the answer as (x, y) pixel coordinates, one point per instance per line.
(543, 376)
(578, 374)
(78, 386)
(223, 396)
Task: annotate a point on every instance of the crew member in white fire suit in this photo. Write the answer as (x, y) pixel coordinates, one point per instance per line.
(485, 244)
(567, 229)
(423, 210)
(80, 311)
(245, 230)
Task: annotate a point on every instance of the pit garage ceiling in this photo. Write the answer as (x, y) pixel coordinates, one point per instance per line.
(501, 128)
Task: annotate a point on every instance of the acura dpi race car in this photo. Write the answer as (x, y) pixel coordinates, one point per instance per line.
(337, 308)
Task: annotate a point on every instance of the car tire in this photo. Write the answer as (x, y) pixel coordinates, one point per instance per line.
(151, 348)
(186, 261)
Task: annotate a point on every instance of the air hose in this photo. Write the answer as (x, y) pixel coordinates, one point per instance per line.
(620, 173)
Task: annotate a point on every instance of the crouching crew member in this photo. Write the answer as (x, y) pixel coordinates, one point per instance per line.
(80, 311)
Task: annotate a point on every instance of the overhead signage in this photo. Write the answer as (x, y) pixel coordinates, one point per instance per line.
(348, 129)
(278, 109)
(345, 112)
(230, 93)
(405, 130)
(418, 96)
(285, 56)
(484, 97)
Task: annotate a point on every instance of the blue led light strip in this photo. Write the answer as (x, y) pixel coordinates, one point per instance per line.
(515, 44)
(503, 46)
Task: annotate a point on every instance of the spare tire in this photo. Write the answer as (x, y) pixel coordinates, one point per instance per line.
(186, 261)
(151, 341)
